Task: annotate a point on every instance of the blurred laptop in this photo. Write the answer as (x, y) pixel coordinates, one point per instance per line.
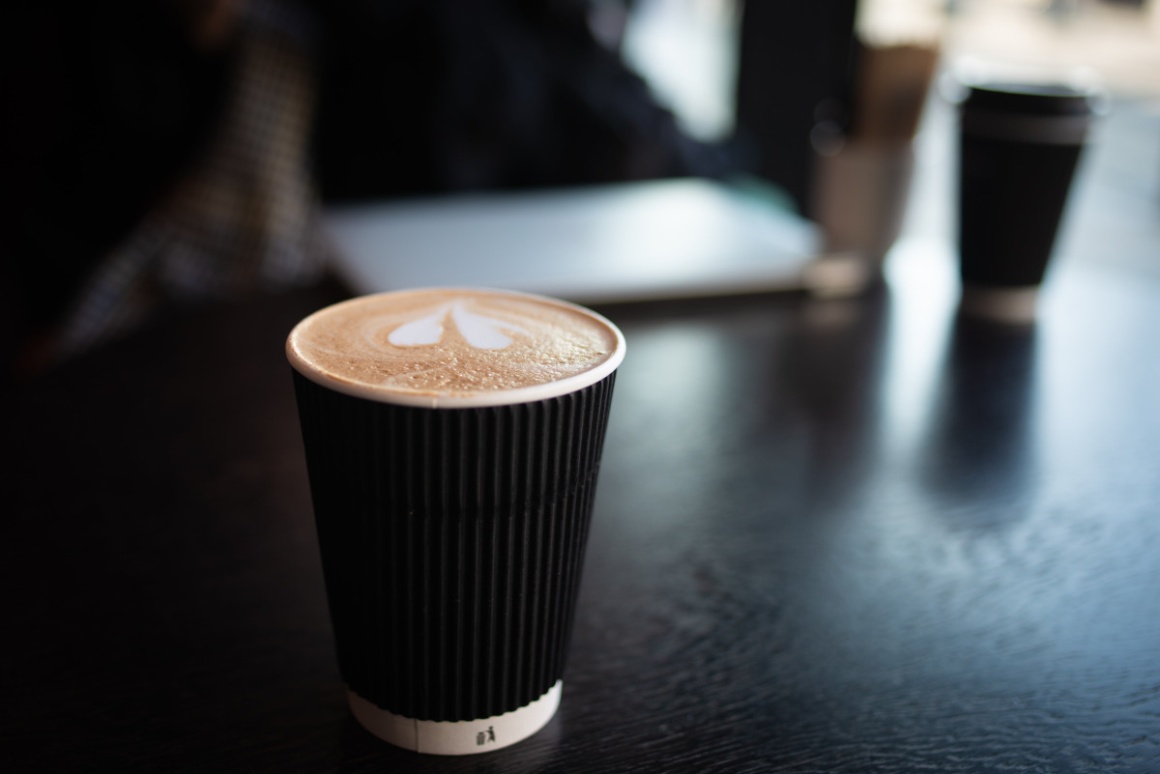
(594, 245)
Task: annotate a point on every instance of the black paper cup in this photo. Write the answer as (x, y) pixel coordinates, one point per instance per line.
(452, 520)
(1020, 142)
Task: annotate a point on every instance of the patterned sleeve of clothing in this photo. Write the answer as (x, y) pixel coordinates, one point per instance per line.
(243, 218)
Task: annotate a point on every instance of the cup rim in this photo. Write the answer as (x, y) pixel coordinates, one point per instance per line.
(477, 399)
(972, 73)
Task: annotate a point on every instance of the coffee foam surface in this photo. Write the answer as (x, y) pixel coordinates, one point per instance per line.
(455, 347)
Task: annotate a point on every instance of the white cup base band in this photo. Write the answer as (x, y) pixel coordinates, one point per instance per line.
(1016, 305)
(462, 737)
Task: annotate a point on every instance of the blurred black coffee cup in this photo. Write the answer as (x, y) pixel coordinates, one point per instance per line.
(1020, 143)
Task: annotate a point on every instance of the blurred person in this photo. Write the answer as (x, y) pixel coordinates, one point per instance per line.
(163, 152)
(157, 150)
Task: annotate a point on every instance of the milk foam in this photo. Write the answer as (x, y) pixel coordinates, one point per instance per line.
(455, 347)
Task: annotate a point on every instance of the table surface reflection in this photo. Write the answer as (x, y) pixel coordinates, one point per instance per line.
(848, 535)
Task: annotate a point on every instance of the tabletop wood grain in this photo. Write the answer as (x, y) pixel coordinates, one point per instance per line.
(845, 536)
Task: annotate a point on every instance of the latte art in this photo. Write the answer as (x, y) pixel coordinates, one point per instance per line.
(477, 330)
(454, 347)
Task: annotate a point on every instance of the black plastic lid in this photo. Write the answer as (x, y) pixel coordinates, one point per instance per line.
(1037, 99)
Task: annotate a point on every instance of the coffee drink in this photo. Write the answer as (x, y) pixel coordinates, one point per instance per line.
(454, 347)
(453, 439)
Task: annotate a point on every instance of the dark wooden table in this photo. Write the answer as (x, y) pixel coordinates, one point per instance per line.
(838, 536)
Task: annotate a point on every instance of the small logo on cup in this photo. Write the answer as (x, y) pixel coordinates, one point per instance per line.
(483, 737)
(480, 331)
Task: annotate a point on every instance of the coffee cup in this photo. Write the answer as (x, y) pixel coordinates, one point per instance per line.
(1021, 137)
(453, 439)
